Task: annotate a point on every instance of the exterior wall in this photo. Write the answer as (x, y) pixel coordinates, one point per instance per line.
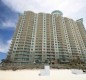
(81, 33)
(47, 37)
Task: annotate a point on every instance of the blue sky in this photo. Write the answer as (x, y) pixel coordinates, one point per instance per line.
(11, 9)
(8, 19)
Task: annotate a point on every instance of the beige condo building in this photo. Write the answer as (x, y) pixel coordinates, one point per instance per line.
(44, 37)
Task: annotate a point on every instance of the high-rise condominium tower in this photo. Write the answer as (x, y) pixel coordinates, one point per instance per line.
(43, 37)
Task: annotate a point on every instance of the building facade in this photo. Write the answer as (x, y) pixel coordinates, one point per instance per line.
(44, 37)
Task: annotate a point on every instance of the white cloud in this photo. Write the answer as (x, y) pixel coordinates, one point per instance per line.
(23, 5)
(45, 6)
(8, 23)
(68, 7)
(4, 46)
(85, 24)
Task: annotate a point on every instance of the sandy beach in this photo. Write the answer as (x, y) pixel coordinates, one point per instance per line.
(55, 74)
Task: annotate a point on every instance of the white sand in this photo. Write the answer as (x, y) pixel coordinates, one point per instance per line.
(55, 74)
